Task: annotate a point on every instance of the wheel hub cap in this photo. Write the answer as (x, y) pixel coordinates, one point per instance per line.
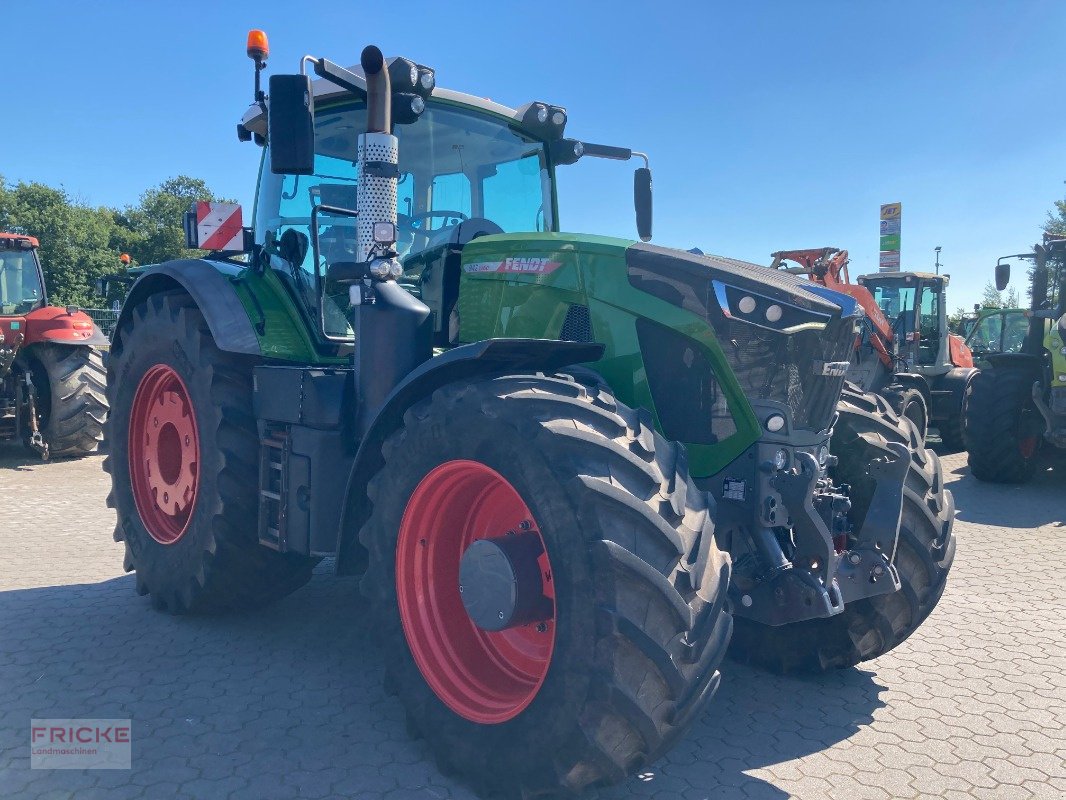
(500, 582)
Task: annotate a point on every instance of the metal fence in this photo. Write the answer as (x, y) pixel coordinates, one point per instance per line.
(105, 319)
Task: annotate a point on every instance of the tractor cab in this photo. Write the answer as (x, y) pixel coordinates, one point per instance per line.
(997, 331)
(467, 168)
(914, 304)
(21, 285)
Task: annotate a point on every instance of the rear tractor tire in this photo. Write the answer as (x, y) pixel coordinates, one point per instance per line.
(925, 550)
(183, 457)
(616, 646)
(1004, 430)
(71, 397)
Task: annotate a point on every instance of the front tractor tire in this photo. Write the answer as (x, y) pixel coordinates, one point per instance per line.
(1004, 430)
(869, 628)
(183, 454)
(544, 576)
(71, 397)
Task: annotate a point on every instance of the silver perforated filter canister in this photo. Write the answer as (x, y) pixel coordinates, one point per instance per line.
(376, 200)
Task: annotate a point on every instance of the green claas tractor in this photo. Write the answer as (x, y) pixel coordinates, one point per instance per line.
(542, 450)
(994, 331)
(1016, 413)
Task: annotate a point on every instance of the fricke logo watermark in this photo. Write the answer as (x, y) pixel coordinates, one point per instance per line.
(80, 743)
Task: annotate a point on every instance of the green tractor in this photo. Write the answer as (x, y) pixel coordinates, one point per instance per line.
(1016, 412)
(541, 450)
(994, 331)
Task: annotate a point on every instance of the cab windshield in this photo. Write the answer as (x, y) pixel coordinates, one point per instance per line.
(20, 282)
(455, 165)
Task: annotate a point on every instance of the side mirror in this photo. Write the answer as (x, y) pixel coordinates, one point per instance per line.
(642, 202)
(291, 125)
(1002, 276)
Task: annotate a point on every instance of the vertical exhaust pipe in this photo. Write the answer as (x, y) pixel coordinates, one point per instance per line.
(377, 155)
(393, 330)
(378, 91)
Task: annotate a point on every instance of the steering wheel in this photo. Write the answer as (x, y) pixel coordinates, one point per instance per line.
(411, 219)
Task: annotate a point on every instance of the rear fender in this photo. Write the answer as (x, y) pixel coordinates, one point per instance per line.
(213, 293)
(52, 325)
(914, 381)
(463, 363)
(949, 392)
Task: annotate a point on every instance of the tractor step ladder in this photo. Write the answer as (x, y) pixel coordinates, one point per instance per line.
(273, 489)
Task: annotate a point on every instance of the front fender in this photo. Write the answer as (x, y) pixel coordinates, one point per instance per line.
(462, 363)
(210, 287)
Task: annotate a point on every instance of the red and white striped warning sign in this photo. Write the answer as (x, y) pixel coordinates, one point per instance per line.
(219, 226)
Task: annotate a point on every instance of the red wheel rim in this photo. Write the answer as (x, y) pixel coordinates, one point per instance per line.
(485, 677)
(164, 454)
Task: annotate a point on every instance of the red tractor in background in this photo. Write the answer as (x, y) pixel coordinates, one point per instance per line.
(52, 378)
(905, 351)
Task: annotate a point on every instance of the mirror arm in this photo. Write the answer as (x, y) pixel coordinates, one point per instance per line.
(335, 74)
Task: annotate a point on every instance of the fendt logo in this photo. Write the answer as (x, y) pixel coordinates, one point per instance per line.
(520, 266)
(80, 744)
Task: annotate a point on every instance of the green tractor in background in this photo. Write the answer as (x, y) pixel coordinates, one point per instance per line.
(1016, 412)
(542, 450)
(994, 331)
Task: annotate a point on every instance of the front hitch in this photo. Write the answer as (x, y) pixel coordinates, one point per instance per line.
(818, 581)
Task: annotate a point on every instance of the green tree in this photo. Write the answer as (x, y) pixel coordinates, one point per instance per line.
(75, 237)
(1056, 219)
(156, 221)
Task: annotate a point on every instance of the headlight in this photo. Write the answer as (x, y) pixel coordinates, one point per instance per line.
(823, 455)
(558, 118)
(774, 313)
(746, 304)
(774, 423)
(781, 459)
(542, 114)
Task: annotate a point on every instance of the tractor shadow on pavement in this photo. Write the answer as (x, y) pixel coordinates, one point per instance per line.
(1028, 505)
(755, 721)
(288, 702)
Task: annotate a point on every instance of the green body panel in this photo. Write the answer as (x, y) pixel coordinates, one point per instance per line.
(522, 285)
(285, 334)
(1054, 343)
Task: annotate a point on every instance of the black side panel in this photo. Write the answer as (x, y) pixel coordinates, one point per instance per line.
(214, 296)
(315, 397)
(688, 400)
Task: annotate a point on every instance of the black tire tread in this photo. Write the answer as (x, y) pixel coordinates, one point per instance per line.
(77, 386)
(996, 398)
(234, 571)
(639, 483)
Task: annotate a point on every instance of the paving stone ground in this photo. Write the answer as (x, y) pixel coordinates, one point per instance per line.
(287, 702)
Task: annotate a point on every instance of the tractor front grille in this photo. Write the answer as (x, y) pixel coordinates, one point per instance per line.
(787, 368)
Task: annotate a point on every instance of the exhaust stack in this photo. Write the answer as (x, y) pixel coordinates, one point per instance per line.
(377, 155)
(393, 329)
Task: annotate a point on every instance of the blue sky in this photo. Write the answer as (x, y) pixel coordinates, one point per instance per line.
(769, 124)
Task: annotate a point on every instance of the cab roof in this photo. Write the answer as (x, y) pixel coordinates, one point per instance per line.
(876, 276)
(324, 90)
(19, 237)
